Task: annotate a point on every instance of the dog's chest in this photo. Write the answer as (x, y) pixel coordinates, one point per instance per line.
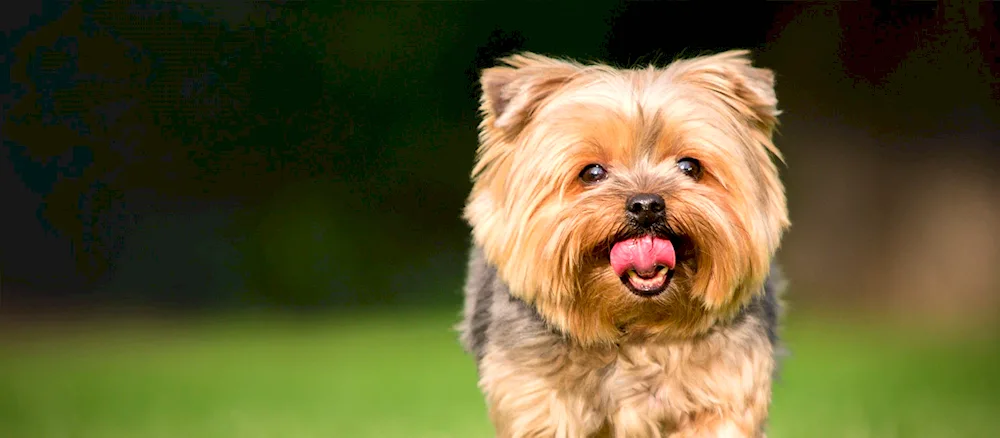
(631, 390)
(661, 384)
(644, 379)
(661, 381)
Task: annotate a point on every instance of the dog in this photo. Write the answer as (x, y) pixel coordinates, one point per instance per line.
(622, 280)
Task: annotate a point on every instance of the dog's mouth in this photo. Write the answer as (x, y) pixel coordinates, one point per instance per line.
(648, 284)
(645, 264)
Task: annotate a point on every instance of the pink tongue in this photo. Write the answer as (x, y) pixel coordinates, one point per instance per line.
(642, 254)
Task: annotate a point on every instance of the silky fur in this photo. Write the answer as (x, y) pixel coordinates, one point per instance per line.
(564, 349)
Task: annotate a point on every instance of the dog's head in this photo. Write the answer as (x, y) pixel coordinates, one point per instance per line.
(636, 201)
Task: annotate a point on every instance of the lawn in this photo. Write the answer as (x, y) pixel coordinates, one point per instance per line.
(404, 375)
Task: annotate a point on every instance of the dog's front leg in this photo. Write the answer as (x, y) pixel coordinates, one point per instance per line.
(540, 415)
(724, 424)
(531, 401)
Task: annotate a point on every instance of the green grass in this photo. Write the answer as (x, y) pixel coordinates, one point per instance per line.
(405, 376)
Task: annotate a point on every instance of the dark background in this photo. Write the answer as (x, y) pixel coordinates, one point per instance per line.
(231, 218)
(191, 155)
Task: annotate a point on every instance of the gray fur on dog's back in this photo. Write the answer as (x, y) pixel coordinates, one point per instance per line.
(481, 284)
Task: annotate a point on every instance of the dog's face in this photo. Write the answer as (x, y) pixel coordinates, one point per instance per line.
(629, 202)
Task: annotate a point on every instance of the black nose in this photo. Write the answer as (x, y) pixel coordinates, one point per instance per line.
(646, 208)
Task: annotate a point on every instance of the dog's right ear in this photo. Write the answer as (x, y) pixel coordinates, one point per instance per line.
(511, 93)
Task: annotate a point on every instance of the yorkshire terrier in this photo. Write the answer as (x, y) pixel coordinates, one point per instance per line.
(624, 222)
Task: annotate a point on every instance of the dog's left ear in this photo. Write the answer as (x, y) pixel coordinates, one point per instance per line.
(511, 93)
(748, 89)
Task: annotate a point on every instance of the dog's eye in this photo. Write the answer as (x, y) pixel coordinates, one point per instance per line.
(593, 173)
(690, 166)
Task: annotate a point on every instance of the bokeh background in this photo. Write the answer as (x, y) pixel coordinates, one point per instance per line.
(238, 218)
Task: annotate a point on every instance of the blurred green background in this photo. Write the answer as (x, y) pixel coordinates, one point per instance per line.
(232, 218)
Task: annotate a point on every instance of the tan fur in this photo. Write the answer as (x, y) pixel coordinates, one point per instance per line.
(669, 366)
(719, 385)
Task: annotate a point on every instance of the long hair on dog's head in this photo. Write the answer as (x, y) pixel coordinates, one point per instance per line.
(548, 226)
